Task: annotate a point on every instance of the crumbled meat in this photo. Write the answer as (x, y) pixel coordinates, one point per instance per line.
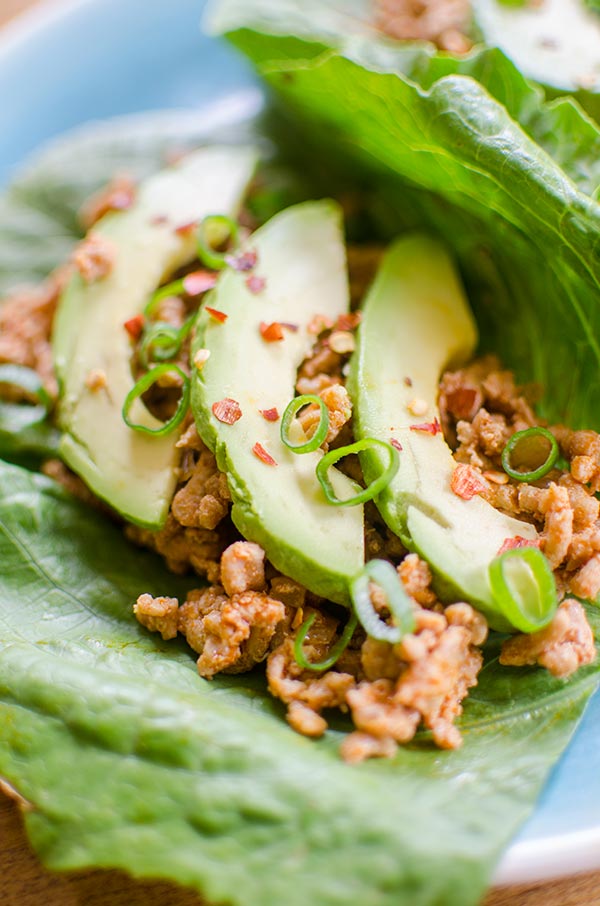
(585, 583)
(377, 711)
(339, 407)
(558, 525)
(243, 568)
(158, 614)
(94, 257)
(357, 747)
(170, 310)
(443, 22)
(231, 634)
(323, 361)
(118, 195)
(304, 720)
(288, 591)
(416, 577)
(291, 683)
(183, 547)
(562, 647)
(205, 499)
(25, 326)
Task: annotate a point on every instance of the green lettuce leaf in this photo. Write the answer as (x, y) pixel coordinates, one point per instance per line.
(173, 776)
(468, 149)
(38, 212)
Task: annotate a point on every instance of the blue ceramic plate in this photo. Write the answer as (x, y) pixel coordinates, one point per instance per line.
(72, 61)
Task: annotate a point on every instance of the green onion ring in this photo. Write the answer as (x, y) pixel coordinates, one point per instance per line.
(144, 383)
(176, 288)
(206, 253)
(288, 417)
(523, 588)
(373, 489)
(336, 651)
(383, 574)
(161, 341)
(29, 381)
(515, 440)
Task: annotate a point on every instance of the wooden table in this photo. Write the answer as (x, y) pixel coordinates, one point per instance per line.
(24, 882)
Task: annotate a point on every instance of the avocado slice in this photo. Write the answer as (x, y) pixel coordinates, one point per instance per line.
(301, 256)
(556, 43)
(416, 323)
(134, 472)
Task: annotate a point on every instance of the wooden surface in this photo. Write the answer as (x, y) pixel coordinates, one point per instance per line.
(24, 882)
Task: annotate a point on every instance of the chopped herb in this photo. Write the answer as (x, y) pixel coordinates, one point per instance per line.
(373, 489)
(287, 420)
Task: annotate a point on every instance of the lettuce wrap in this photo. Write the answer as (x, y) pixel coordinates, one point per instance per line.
(203, 783)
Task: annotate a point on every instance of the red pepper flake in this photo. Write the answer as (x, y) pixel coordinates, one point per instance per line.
(227, 411)
(159, 220)
(185, 229)
(271, 332)
(134, 326)
(396, 443)
(199, 282)
(408, 382)
(348, 321)
(518, 541)
(262, 454)
(255, 284)
(245, 261)
(271, 415)
(433, 427)
(467, 482)
(288, 326)
(217, 315)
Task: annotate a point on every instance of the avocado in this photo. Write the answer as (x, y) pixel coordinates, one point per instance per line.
(134, 472)
(301, 258)
(415, 324)
(556, 43)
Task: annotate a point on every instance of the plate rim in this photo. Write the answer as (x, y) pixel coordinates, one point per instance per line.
(539, 859)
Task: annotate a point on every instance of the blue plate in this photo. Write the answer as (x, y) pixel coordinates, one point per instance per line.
(74, 61)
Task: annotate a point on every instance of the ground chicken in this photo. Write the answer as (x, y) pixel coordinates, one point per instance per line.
(94, 257)
(339, 406)
(562, 647)
(205, 499)
(443, 22)
(416, 578)
(25, 326)
(231, 634)
(243, 568)
(118, 195)
(158, 614)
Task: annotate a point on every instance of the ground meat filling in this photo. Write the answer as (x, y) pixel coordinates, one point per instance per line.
(443, 22)
(481, 408)
(249, 613)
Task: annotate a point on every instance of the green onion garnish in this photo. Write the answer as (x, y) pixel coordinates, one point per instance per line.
(162, 342)
(216, 229)
(373, 489)
(27, 380)
(144, 384)
(523, 587)
(521, 444)
(336, 651)
(287, 419)
(400, 605)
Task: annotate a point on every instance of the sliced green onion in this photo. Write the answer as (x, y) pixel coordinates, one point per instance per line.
(176, 288)
(523, 587)
(215, 230)
(336, 651)
(162, 342)
(27, 380)
(373, 489)
(144, 384)
(401, 608)
(523, 438)
(287, 418)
